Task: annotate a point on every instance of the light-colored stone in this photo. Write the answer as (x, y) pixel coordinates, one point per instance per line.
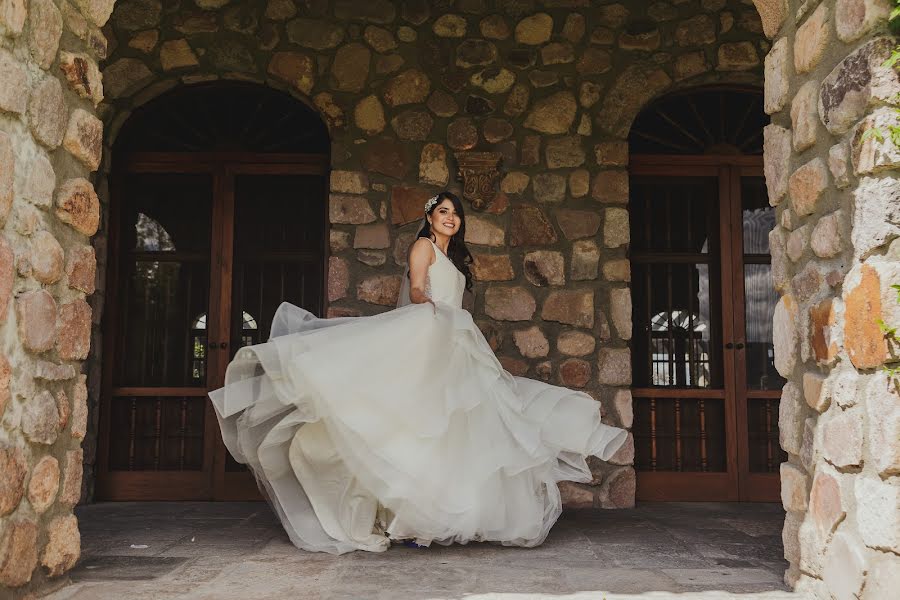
(7, 278)
(328, 108)
(791, 416)
(36, 317)
(545, 267)
(375, 236)
(44, 484)
(826, 237)
(84, 138)
(615, 227)
(575, 343)
(13, 469)
(845, 566)
(338, 278)
(579, 183)
(369, 115)
(81, 269)
(878, 512)
(509, 303)
(177, 54)
(805, 116)
(349, 210)
(776, 159)
(531, 342)
(875, 153)
(494, 27)
(813, 392)
(614, 366)
(812, 39)
(620, 311)
(554, 114)
(483, 232)
(793, 488)
(876, 214)
(868, 297)
(842, 437)
(617, 270)
(433, 168)
(63, 545)
(349, 182)
(44, 30)
(585, 260)
(826, 505)
(772, 14)
(7, 176)
(15, 80)
(79, 418)
(70, 492)
(74, 336)
(514, 182)
(610, 186)
(564, 152)
(493, 80)
(449, 26)
(572, 307)
(380, 39)
(855, 84)
(534, 30)
(777, 84)
(806, 186)
(83, 75)
(18, 552)
(46, 257)
(883, 425)
(855, 18)
(40, 419)
(77, 205)
(798, 242)
(492, 267)
(47, 114)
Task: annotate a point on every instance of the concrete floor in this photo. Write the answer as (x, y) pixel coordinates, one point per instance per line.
(238, 550)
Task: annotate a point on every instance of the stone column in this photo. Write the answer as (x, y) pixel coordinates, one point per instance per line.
(50, 145)
(831, 169)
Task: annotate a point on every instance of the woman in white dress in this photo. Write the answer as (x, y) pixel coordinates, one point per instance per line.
(404, 425)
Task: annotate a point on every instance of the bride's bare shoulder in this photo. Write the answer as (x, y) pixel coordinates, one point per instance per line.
(421, 250)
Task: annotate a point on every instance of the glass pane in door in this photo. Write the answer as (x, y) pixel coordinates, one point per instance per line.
(279, 235)
(676, 289)
(760, 298)
(164, 254)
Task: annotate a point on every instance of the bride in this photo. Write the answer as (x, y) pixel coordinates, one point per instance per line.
(403, 425)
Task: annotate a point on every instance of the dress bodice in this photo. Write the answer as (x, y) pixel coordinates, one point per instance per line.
(445, 282)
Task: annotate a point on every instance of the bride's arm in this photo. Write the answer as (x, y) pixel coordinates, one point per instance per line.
(421, 256)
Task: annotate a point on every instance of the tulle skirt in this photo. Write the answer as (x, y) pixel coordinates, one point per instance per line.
(360, 430)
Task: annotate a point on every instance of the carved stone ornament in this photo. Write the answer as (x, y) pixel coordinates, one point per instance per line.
(479, 172)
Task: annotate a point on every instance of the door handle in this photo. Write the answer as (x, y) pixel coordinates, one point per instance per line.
(739, 346)
(223, 345)
(729, 346)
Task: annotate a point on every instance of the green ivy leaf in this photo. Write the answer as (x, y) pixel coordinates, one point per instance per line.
(886, 329)
(874, 132)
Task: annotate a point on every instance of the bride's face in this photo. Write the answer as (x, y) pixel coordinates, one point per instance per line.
(444, 220)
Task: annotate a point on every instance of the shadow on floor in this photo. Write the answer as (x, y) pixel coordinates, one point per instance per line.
(238, 550)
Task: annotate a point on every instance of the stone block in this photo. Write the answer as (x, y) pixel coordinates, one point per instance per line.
(77, 205)
(842, 436)
(625, 454)
(531, 342)
(47, 113)
(620, 488)
(855, 18)
(777, 84)
(74, 335)
(433, 165)
(79, 409)
(36, 317)
(514, 182)
(7, 278)
(98, 11)
(575, 343)
(875, 153)
(826, 503)
(564, 152)
(412, 125)
(610, 186)
(40, 419)
(816, 398)
(883, 425)
(46, 257)
(338, 278)
(572, 307)
(806, 186)
(350, 68)
(623, 403)
(472, 53)
(793, 488)
(876, 215)
(492, 267)
(549, 187)
(617, 270)
(577, 224)
(529, 226)
(328, 108)
(481, 231)
(554, 114)
(776, 159)
(690, 64)
(81, 269)
(696, 31)
(856, 84)
(45, 29)
(369, 115)
(40, 181)
(496, 130)
(585, 260)
(614, 366)
(73, 465)
(620, 311)
(883, 578)
(811, 40)
(785, 335)
(825, 333)
(544, 267)
(575, 496)
(13, 82)
(350, 210)
(18, 552)
(509, 303)
(737, 56)
(826, 237)
(534, 30)
(462, 134)
(838, 156)
(809, 283)
(805, 116)
(878, 512)
(798, 242)
(409, 87)
(616, 230)
(868, 297)
(13, 469)
(43, 484)
(374, 236)
(845, 566)
(791, 416)
(63, 545)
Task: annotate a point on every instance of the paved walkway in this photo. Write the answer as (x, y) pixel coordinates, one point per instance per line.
(222, 551)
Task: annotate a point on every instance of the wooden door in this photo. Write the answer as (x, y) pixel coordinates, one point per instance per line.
(705, 388)
(204, 247)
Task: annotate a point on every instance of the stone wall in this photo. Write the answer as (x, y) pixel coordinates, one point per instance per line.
(552, 85)
(836, 253)
(50, 144)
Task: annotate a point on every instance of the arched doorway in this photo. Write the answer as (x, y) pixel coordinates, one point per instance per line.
(218, 214)
(705, 387)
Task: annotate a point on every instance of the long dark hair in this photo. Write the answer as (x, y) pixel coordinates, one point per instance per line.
(457, 251)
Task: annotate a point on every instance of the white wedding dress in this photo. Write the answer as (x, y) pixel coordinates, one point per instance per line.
(360, 430)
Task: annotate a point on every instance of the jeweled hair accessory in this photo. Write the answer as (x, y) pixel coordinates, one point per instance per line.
(431, 202)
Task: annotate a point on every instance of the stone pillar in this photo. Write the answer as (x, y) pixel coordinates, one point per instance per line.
(50, 144)
(831, 169)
